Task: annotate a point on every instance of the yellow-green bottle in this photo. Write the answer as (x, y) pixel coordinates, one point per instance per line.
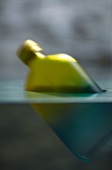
(54, 73)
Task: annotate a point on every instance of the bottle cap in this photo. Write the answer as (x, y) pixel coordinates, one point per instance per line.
(27, 51)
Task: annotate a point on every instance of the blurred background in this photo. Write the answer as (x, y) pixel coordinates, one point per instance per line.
(80, 28)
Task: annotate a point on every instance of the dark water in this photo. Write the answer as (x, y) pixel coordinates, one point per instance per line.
(26, 141)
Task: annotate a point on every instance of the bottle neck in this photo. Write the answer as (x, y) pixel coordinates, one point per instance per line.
(35, 56)
(40, 55)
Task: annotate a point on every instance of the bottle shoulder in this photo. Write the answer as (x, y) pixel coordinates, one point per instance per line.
(52, 60)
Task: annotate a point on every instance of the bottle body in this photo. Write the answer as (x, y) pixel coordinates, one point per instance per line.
(59, 73)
